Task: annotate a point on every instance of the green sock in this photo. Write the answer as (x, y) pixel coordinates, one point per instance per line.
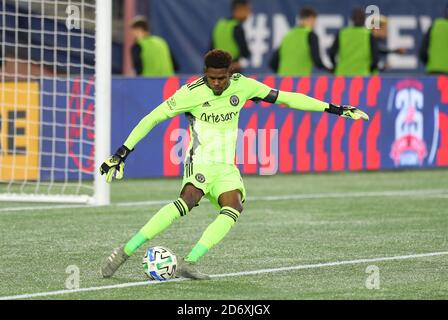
(214, 233)
(159, 222)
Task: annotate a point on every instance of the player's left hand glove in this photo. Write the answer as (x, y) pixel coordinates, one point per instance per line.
(347, 111)
(114, 166)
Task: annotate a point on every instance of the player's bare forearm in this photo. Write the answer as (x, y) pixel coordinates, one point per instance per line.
(303, 102)
(145, 126)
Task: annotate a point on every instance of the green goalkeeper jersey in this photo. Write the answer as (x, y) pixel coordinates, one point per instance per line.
(214, 118)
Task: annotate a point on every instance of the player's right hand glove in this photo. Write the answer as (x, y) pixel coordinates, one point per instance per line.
(114, 166)
(348, 111)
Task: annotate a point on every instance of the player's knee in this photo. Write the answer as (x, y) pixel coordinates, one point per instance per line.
(189, 201)
(236, 205)
(191, 196)
(232, 199)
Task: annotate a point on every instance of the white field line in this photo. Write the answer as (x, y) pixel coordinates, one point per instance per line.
(391, 193)
(234, 274)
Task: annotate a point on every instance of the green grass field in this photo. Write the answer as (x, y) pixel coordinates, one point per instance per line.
(289, 220)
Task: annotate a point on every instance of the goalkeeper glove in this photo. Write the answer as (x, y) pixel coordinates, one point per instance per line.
(347, 111)
(114, 166)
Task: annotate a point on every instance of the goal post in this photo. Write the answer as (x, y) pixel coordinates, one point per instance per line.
(55, 100)
(103, 95)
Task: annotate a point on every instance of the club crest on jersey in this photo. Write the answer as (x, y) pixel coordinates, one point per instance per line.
(234, 100)
(200, 177)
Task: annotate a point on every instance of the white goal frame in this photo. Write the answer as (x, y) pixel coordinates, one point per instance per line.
(102, 114)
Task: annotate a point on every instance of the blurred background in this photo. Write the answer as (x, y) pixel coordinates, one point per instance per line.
(187, 27)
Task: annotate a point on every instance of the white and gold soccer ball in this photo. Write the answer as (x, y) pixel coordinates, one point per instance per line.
(159, 263)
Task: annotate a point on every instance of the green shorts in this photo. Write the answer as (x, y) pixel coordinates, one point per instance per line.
(214, 180)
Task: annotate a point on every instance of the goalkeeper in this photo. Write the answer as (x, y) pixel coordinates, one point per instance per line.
(212, 105)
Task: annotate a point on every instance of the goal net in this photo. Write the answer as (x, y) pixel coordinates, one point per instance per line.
(52, 89)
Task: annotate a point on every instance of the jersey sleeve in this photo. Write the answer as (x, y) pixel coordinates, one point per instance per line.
(180, 102)
(145, 126)
(254, 89)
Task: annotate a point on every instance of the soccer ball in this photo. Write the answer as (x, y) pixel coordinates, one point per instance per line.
(159, 263)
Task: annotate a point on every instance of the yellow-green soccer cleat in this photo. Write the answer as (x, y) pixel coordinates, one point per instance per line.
(188, 270)
(113, 262)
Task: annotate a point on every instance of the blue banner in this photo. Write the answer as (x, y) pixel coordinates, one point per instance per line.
(408, 127)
